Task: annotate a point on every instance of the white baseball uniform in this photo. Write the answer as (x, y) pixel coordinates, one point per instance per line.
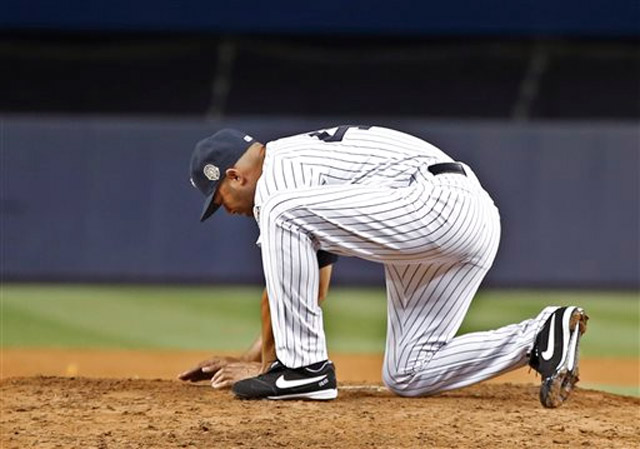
(368, 192)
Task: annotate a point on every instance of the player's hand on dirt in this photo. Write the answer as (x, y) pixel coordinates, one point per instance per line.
(206, 369)
(231, 373)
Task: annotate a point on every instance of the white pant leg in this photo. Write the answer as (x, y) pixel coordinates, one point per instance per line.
(292, 280)
(469, 359)
(427, 304)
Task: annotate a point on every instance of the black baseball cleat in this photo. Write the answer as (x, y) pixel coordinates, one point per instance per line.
(316, 382)
(555, 354)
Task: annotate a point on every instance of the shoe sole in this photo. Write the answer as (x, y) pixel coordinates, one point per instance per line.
(322, 395)
(557, 388)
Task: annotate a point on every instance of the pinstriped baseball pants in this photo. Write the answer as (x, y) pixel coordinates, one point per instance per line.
(437, 237)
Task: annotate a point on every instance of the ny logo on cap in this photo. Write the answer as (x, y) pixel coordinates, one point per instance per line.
(211, 172)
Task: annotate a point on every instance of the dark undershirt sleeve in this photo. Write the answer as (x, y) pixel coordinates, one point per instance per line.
(325, 258)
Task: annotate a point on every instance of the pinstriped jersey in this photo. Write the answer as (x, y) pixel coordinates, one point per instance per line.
(343, 155)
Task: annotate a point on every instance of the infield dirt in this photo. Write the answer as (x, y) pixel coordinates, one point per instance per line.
(56, 412)
(63, 409)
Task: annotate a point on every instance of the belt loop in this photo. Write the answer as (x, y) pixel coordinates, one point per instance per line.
(447, 167)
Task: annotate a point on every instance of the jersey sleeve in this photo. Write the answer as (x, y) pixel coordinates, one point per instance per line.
(325, 259)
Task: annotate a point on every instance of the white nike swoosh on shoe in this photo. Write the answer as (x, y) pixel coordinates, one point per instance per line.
(548, 353)
(283, 383)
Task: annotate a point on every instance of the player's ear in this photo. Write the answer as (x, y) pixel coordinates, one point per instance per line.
(234, 174)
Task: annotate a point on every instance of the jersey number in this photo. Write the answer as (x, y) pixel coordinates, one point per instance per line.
(336, 136)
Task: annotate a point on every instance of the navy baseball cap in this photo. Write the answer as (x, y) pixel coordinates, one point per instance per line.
(211, 159)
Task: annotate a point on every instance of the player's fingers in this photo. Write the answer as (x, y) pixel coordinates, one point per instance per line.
(221, 373)
(212, 367)
(188, 375)
(195, 375)
(219, 379)
(222, 384)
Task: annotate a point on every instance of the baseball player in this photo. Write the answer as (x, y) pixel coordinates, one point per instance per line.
(389, 197)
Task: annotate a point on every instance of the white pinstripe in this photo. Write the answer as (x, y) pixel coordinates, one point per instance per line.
(370, 195)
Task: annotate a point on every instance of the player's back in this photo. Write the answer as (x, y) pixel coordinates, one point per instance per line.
(354, 154)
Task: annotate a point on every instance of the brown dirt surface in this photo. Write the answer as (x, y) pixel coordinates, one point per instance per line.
(58, 412)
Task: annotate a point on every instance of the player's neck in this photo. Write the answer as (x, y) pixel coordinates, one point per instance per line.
(256, 158)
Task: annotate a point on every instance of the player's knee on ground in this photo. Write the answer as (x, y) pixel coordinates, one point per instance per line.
(400, 383)
(408, 384)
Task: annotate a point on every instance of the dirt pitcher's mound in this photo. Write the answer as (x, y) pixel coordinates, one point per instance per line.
(52, 412)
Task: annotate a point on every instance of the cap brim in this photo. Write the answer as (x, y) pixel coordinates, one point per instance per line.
(209, 207)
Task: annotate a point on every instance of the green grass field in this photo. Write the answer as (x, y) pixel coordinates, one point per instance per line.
(227, 318)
